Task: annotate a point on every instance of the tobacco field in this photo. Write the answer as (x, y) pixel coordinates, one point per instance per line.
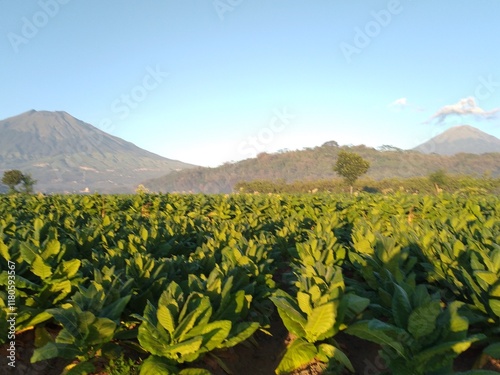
(173, 281)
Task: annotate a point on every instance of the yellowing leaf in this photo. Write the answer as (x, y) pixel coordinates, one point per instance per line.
(321, 319)
(40, 268)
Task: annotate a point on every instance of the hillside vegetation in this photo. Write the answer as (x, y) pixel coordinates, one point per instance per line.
(314, 164)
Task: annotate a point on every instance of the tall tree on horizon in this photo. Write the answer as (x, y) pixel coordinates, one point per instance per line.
(350, 166)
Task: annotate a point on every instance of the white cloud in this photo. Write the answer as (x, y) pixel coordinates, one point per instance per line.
(466, 106)
(401, 102)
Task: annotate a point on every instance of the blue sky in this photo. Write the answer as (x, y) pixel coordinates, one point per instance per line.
(211, 81)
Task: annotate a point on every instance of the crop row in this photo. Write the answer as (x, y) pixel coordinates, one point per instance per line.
(181, 277)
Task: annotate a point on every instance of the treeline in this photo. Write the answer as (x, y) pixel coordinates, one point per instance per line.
(314, 164)
(431, 184)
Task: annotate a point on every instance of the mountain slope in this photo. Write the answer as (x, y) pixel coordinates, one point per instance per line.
(460, 139)
(317, 163)
(68, 155)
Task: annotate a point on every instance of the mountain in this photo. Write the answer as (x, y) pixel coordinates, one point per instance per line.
(316, 163)
(458, 139)
(68, 155)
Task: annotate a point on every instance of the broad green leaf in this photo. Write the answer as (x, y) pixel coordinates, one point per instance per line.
(298, 354)
(166, 319)
(40, 268)
(38, 224)
(458, 322)
(48, 351)
(421, 295)
(304, 302)
(240, 333)
(101, 331)
(401, 307)
(40, 318)
(321, 319)
(85, 320)
(115, 309)
(490, 278)
(53, 350)
(4, 250)
(290, 322)
(68, 317)
(422, 320)
(329, 351)
(293, 320)
(495, 306)
(355, 305)
(178, 351)
(106, 221)
(190, 319)
(61, 287)
(212, 333)
(28, 252)
(325, 352)
(446, 349)
(375, 331)
(52, 248)
(154, 365)
(68, 268)
(458, 248)
(152, 339)
(144, 234)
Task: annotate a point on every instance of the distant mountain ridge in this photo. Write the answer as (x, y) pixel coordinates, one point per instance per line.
(68, 155)
(459, 139)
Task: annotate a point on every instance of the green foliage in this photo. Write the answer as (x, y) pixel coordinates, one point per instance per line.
(185, 325)
(12, 178)
(424, 336)
(438, 177)
(311, 168)
(418, 274)
(122, 366)
(28, 183)
(350, 166)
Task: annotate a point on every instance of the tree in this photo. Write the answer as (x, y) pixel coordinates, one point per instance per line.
(438, 179)
(28, 183)
(12, 178)
(350, 166)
